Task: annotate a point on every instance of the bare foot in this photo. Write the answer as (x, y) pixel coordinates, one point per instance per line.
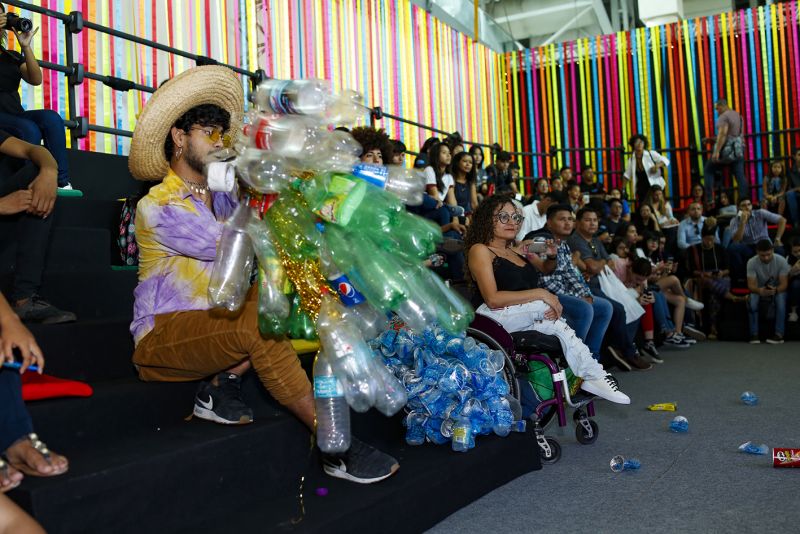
(16, 202)
(24, 457)
(9, 477)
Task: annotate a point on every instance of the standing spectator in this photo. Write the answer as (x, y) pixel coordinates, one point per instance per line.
(793, 188)
(464, 183)
(728, 151)
(36, 125)
(748, 228)
(499, 175)
(645, 168)
(775, 188)
(767, 278)
(591, 258)
(586, 313)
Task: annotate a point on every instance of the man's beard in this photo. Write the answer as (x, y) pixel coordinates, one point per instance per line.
(194, 161)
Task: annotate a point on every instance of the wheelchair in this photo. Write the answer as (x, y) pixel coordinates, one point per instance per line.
(528, 349)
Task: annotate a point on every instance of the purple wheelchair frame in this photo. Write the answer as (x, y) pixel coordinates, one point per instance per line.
(493, 329)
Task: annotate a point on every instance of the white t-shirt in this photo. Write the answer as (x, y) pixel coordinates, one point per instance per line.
(649, 160)
(447, 180)
(533, 220)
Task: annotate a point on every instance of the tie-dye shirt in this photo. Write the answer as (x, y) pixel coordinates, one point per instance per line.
(177, 237)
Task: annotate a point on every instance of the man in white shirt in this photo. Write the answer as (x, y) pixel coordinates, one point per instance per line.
(536, 214)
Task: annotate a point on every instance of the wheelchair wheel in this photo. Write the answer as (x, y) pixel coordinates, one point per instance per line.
(508, 368)
(553, 455)
(583, 436)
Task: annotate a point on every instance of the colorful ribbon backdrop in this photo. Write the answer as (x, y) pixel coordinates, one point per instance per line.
(397, 55)
(660, 82)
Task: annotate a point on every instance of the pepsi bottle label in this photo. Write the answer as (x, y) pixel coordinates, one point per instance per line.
(347, 293)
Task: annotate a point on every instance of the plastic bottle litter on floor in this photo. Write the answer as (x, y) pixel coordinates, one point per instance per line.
(751, 448)
(679, 424)
(749, 398)
(619, 464)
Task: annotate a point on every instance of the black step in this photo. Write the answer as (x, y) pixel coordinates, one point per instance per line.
(102, 176)
(87, 213)
(92, 294)
(88, 350)
(77, 248)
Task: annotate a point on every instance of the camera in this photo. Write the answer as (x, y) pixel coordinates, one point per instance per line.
(14, 22)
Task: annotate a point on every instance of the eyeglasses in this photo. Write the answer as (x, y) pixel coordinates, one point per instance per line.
(504, 218)
(214, 135)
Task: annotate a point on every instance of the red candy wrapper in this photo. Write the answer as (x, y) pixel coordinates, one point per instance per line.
(785, 457)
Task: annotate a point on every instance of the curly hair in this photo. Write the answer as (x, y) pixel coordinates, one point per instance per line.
(481, 231)
(371, 139)
(204, 115)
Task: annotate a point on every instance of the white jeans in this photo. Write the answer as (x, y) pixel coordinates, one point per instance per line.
(530, 316)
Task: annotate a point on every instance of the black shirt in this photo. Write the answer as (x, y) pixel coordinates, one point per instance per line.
(508, 276)
(501, 179)
(10, 78)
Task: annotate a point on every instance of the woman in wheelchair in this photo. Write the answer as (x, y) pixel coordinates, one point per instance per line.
(508, 282)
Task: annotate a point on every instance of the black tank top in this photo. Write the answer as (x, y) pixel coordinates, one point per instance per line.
(508, 276)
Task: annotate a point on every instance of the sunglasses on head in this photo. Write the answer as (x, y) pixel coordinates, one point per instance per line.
(504, 218)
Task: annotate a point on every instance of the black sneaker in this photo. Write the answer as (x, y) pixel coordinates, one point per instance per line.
(223, 403)
(755, 340)
(777, 339)
(693, 332)
(361, 463)
(37, 310)
(622, 363)
(649, 350)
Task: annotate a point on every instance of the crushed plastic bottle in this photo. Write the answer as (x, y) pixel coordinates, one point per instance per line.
(751, 448)
(619, 464)
(679, 424)
(749, 398)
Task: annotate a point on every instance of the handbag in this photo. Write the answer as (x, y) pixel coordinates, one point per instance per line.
(614, 289)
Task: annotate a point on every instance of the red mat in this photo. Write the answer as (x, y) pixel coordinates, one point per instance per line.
(37, 387)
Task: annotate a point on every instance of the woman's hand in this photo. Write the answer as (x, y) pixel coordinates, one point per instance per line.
(522, 248)
(15, 335)
(552, 301)
(25, 38)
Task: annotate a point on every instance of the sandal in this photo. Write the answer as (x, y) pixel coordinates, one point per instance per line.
(7, 481)
(40, 447)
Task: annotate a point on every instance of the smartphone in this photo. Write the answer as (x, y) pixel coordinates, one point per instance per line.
(585, 199)
(539, 246)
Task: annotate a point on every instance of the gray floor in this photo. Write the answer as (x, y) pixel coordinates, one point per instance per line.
(694, 482)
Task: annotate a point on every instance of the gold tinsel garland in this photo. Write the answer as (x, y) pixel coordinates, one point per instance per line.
(307, 278)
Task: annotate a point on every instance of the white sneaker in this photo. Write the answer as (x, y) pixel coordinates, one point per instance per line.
(694, 305)
(67, 187)
(605, 388)
(793, 317)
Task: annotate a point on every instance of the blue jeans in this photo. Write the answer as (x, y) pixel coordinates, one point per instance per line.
(793, 205)
(780, 313)
(40, 125)
(661, 313)
(619, 335)
(738, 171)
(794, 291)
(589, 321)
(15, 422)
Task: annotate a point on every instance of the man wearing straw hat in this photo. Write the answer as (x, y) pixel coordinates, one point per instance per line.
(178, 336)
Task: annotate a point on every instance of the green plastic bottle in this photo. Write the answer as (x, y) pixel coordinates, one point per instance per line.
(300, 324)
(292, 225)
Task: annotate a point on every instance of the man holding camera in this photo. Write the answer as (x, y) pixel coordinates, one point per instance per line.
(767, 279)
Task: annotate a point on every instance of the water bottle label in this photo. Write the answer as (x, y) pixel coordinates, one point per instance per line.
(347, 293)
(460, 434)
(374, 174)
(327, 387)
(279, 100)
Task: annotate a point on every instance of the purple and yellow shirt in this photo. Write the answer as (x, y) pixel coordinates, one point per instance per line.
(177, 237)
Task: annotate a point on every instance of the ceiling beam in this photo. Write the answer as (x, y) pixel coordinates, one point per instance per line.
(602, 16)
(547, 11)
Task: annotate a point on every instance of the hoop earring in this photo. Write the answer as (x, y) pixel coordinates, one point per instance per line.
(179, 153)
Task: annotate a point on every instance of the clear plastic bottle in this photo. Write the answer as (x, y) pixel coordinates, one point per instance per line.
(273, 306)
(233, 264)
(332, 411)
(284, 135)
(391, 396)
(295, 97)
(619, 464)
(407, 184)
(264, 171)
(679, 424)
(462, 437)
(749, 398)
(351, 357)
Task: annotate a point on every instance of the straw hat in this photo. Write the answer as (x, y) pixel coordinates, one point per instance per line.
(211, 84)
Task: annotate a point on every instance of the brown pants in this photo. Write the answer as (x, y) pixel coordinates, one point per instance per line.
(192, 345)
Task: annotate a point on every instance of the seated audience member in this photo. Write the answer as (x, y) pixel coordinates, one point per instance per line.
(630, 234)
(616, 192)
(593, 188)
(725, 208)
(794, 279)
(793, 188)
(557, 184)
(439, 181)
(586, 313)
(645, 220)
(747, 229)
(690, 227)
(398, 152)
(507, 284)
(499, 175)
(774, 187)
(707, 263)
(767, 279)
(480, 171)
(421, 161)
(645, 168)
(21, 451)
(591, 258)
(574, 197)
(535, 214)
(36, 125)
(698, 196)
(177, 335)
(614, 219)
(565, 174)
(376, 147)
(464, 189)
(661, 207)
(542, 188)
(27, 197)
